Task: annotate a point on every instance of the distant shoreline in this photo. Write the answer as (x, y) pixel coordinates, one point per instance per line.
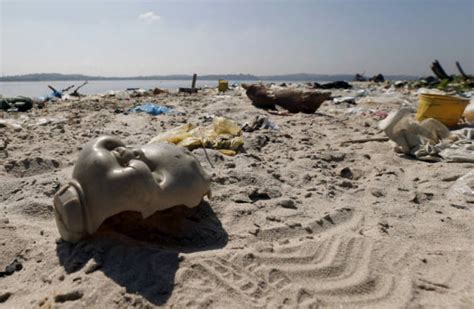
(237, 77)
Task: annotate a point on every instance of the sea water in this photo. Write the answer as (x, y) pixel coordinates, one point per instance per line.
(40, 88)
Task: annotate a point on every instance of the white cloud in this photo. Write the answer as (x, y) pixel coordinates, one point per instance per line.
(148, 17)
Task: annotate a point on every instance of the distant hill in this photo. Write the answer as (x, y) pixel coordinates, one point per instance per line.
(302, 77)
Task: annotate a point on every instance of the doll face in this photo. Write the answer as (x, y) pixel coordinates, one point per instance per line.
(113, 178)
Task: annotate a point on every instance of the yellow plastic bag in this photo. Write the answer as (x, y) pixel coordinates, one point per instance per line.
(226, 126)
(223, 135)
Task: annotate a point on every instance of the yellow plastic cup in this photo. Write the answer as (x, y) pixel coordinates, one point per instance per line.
(223, 85)
(447, 109)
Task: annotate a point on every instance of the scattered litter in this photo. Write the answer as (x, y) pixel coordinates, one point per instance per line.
(259, 122)
(223, 134)
(414, 138)
(429, 140)
(152, 109)
(430, 91)
(460, 147)
(137, 92)
(360, 111)
(400, 84)
(122, 95)
(388, 98)
(362, 93)
(349, 100)
(381, 114)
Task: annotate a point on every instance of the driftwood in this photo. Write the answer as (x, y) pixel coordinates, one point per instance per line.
(188, 90)
(75, 92)
(461, 71)
(379, 78)
(62, 90)
(67, 88)
(193, 88)
(360, 78)
(52, 88)
(333, 85)
(290, 99)
(439, 71)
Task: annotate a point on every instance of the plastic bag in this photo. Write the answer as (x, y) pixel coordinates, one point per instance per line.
(152, 109)
(225, 126)
(223, 135)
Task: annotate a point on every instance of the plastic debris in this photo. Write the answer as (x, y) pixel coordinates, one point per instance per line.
(389, 98)
(259, 122)
(460, 147)
(152, 109)
(414, 138)
(429, 140)
(349, 100)
(121, 95)
(360, 111)
(223, 134)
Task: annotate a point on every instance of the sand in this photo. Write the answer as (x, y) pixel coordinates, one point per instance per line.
(297, 220)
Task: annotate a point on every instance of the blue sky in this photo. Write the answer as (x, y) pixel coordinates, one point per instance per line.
(125, 38)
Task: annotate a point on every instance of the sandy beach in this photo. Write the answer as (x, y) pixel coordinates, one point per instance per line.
(297, 220)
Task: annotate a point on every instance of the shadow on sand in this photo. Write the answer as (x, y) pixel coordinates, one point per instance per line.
(142, 255)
